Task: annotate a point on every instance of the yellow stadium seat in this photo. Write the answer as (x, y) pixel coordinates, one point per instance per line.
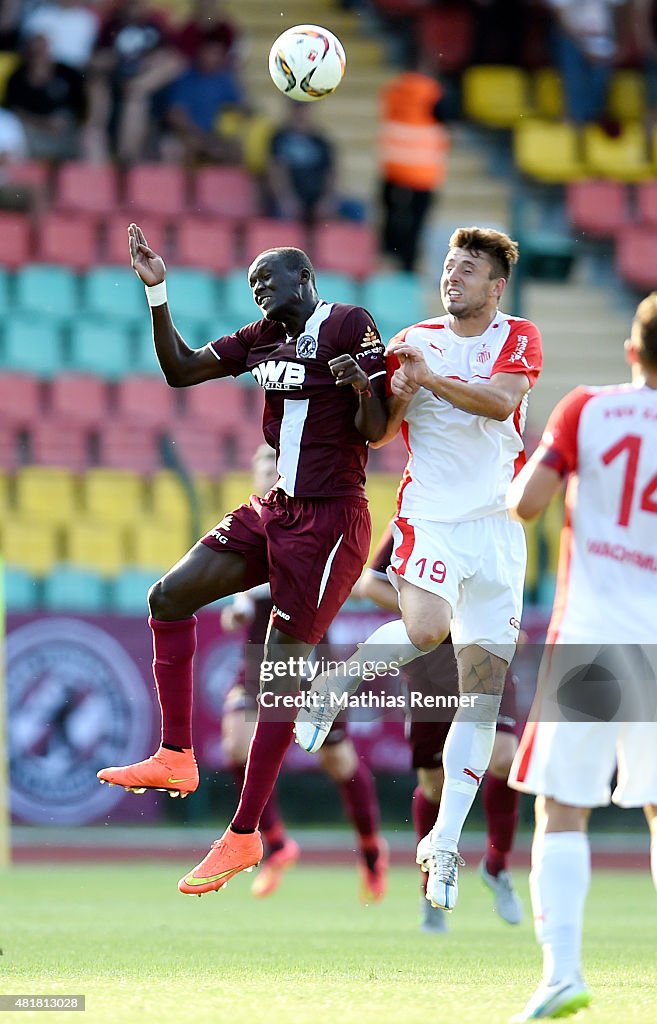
(548, 93)
(623, 158)
(31, 544)
(382, 495)
(627, 99)
(113, 496)
(5, 493)
(158, 544)
(533, 556)
(93, 544)
(47, 494)
(234, 489)
(8, 63)
(547, 151)
(168, 499)
(497, 96)
(210, 502)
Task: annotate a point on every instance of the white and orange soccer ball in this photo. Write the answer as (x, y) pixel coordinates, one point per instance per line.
(307, 62)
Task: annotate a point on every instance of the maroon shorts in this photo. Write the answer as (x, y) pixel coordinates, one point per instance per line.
(311, 550)
(427, 739)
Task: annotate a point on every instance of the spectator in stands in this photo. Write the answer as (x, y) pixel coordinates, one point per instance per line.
(586, 44)
(70, 28)
(10, 14)
(413, 161)
(49, 99)
(300, 176)
(643, 24)
(134, 60)
(500, 31)
(209, 20)
(196, 100)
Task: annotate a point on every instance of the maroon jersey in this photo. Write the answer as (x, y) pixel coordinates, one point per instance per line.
(307, 418)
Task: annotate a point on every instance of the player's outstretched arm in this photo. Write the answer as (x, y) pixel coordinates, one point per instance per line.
(181, 365)
(534, 487)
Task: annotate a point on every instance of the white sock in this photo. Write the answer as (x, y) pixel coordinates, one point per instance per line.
(389, 644)
(562, 876)
(653, 859)
(466, 757)
(534, 886)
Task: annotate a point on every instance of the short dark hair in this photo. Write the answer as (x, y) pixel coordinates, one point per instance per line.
(294, 259)
(646, 320)
(501, 250)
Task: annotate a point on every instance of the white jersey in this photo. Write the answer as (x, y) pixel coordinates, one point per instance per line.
(460, 466)
(606, 438)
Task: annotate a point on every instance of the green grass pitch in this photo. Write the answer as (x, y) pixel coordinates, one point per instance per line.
(143, 954)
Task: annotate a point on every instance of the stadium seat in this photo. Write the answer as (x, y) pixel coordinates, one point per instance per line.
(47, 494)
(20, 399)
(238, 299)
(128, 592)
(206, 243)
(227, 192)
(68, 588)
(445, 37)
(391, 458)
(61, 442)
(46, 290)
(344, 247)
(547, 90)
(394, 298)
(28, 172)
(623, 157)
(626, 100)
(101, 348)
(236, 486)
(116, 293)
(636, 256)
(548, 152)
(495, 95)
(219, 405)
(8, 63)
(80, 397)
(123, 447)
(262, 233)
(114, 237)
(193, 294)
(194, 450)
(86, 187)
(32, 344)
(382, 494)
(336, 287)
(113, 495)
(145, 360)
(22, 592)
(157, 545)
(144, 401)
(71, 240)
(646, 202)
(160, 189)
(30, 544)
(96, 545)
(15, 240)
(597, 208)
(5, 296)
(532, 572)
(168, 498)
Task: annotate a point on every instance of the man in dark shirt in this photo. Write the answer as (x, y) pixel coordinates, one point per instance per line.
(322, 369)
(301, 171)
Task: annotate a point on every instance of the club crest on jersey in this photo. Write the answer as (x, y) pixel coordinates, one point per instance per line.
(306, 347)
(483, 355)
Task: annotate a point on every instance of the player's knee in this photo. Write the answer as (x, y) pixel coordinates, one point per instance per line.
(163, 601)
(426, 636)
(340, 761)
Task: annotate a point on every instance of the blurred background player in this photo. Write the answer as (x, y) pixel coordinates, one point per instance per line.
(339, 758)
(603, 440)
(436, 673)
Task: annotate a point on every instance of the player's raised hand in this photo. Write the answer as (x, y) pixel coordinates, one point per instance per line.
(413, 363)
(146, 263)
(346, 371)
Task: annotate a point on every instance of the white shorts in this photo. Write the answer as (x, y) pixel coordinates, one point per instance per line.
(477, 566)
(574, 762)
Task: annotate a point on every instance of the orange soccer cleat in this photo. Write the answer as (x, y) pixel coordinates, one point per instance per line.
(270, 875)
(227, 857)
(374, 871)
(175, 772)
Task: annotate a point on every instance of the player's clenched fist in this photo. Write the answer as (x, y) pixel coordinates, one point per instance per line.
(346, 370)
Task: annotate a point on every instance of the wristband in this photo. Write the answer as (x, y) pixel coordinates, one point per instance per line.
(364, 391)
(156, 293)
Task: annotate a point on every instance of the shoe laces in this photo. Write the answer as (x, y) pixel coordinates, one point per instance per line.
(445, 865)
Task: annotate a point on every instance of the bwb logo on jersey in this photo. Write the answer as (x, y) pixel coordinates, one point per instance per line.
(279, 375)
(307, 347)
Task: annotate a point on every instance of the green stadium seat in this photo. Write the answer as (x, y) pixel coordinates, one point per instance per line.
(5, 299)
(145, 360)
(238, 299)
(116, 293)
(21, 590)
(67, 588)
(394, 299)
(129, 590)
(47, 290)
(101, 348)
(32, 344)
(336, 287)
(193, 294)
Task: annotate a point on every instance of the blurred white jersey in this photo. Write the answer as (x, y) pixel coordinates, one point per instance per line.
(606, 438)
(460, 465)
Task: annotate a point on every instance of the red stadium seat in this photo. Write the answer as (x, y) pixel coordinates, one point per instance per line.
(114, 247)
(15, 240)
(445, 37)
(219, 406)
(160, 189)
(81, 398)
(91, 188)
(390, 459)
(145, 401)
(199, 450)
(646, 202)
(266, 233)
(636, 256)
(206, 243)
(57, 441)
(9, 446)
(348, 248)
(20, 399)
(124, 446)
(68, 240)
(598, 208)
(225, 192)
(27, 172)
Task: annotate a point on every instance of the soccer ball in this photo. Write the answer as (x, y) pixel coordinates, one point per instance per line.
(307, 62)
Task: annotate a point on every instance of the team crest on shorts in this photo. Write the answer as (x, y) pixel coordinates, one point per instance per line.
(307, 347)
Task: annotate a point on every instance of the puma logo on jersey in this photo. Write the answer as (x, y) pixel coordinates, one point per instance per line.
(279, 375)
